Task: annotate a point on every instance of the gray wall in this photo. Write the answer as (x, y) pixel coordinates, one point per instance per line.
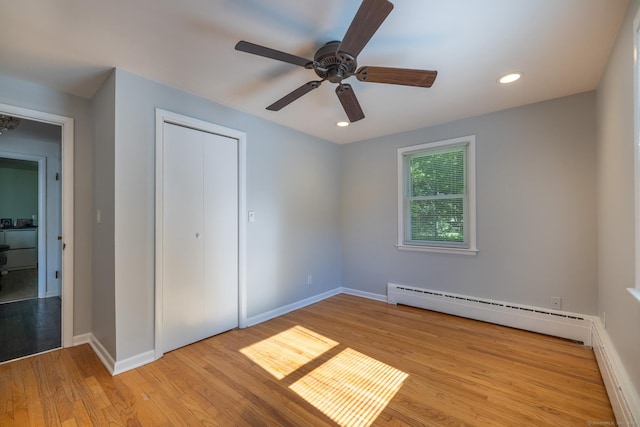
(536, 206)
(293, 185)
(27, 95)
(616, 220)
(104, 293)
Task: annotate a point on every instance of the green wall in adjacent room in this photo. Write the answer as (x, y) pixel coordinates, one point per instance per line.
(19, 190)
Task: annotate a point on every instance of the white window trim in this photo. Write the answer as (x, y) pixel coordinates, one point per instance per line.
(636, 119)
(471, 188)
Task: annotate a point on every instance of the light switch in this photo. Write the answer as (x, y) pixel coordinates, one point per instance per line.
(252, 216)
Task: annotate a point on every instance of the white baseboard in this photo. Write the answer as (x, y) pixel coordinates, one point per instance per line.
(102, 354)
(622, 394)
(82, 339)
(312, 300)
(112, 366)
(272, 314)
(363, 294)
(133, 362)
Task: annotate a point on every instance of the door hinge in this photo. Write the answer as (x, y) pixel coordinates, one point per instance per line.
(57, 176)
(57, 274)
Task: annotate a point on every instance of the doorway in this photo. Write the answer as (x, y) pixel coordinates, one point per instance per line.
(30, 291)
(52, 226)
(200, 232)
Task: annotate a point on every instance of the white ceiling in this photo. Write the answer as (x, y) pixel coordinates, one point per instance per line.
(561, 46)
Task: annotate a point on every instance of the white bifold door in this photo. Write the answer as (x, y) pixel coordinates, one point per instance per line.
(200, 236)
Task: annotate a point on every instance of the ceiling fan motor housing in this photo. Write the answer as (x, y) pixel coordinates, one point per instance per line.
(331, 66)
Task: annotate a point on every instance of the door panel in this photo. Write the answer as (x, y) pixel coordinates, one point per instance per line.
(221, 233)
(182, 257)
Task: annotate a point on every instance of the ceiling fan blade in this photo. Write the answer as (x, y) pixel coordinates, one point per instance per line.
(397, 76)
(255, 49)
(289, 98)
(368, 19)
(349, 102)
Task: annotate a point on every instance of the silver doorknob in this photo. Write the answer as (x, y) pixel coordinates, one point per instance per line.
(197, 235)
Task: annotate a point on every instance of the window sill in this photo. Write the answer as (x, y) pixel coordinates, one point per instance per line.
(634, 292)
(435, 249)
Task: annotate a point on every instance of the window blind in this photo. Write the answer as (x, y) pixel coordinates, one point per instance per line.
(436, 195)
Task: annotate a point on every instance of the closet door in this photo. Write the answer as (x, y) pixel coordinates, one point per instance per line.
(200, 229)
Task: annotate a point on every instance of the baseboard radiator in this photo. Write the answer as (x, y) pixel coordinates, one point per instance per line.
(550, 322)
(625, 400)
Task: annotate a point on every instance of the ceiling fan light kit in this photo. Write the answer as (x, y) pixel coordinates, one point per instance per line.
(8, 123)
(336, 61)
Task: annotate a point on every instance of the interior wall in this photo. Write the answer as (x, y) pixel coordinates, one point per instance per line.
(536, 207)
(615, 180)
(28, 95)
(104, 292)
(293, 186)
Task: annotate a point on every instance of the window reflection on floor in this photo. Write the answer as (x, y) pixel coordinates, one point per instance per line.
(351, 388)
(287, 351)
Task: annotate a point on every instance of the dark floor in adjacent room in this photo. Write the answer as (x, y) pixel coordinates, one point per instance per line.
(28, 327)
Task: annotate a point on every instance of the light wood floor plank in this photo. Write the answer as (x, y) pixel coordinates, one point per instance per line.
(6, 401)
(391, 365)
(18, 396)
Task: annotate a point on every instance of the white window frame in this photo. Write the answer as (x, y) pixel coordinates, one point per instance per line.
(636, 135)
(470, 225)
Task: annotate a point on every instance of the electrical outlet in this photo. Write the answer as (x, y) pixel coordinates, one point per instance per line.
(309, 279)
(556, 303)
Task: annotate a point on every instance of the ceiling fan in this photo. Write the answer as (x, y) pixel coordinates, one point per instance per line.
(337, 61)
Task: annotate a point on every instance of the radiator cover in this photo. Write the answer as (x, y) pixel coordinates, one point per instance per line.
(545, 321)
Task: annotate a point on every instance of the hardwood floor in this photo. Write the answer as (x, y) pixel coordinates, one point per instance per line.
(344, 361)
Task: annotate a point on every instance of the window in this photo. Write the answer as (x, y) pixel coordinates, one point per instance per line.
(436, 196)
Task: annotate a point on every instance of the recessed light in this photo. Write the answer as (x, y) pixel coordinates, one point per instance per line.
(509, 78)
(342, 124)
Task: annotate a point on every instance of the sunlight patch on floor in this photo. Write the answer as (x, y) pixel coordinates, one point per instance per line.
(352, 388)
(287, 351)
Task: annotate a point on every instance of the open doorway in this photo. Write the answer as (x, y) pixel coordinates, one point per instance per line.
(31, 294)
